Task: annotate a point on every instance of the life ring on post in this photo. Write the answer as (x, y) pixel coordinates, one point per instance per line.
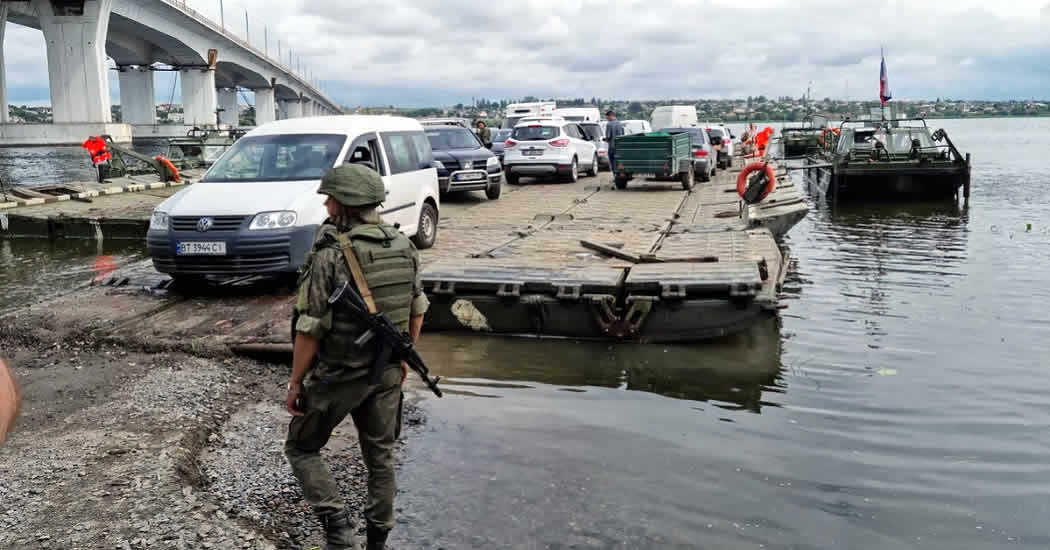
(170, 168)
(751, 196)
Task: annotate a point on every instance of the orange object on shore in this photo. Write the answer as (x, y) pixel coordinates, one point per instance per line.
(175, 177)
(104, 266)
(96, 147)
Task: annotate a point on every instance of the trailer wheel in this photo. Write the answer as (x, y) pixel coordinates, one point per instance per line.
(688, 178)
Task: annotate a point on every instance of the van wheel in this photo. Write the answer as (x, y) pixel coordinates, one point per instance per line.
(593, 172)
(492, 192)
(512, 179)
(621, 182)
(574, 172)
(427, 230)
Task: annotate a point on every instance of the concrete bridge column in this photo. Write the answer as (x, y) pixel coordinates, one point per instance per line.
(76, 58)
(4, 111)
(137, 104)
(198, 96)
(264, 107)
(295, 108)
(229, 113)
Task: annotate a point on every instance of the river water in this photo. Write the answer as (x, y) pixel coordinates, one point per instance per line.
(901, 400)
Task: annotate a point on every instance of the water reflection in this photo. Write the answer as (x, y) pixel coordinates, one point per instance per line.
(31, 269)
(732, 373)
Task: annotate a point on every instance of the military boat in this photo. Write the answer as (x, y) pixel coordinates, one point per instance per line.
(887, 159)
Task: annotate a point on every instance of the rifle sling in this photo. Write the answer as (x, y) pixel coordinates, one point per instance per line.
(355, 270)
(384, 354)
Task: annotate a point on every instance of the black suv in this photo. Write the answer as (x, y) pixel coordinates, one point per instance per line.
(466, 165)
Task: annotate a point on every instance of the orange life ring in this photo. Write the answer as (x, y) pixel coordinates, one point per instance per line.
(771, 177)
(170, 168)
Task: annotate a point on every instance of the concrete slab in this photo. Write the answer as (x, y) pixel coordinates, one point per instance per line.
(60, 133)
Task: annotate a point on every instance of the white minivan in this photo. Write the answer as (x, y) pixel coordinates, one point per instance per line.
(257, 210)
(674, 116)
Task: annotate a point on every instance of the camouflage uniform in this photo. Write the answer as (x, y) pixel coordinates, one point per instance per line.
(485, 135)
(338, 383)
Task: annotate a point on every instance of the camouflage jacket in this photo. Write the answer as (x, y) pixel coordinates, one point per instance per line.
(338, 359)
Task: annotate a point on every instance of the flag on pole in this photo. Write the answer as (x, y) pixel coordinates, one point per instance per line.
(884, 83)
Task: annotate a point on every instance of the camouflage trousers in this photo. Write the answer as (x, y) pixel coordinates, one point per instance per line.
(376, 412)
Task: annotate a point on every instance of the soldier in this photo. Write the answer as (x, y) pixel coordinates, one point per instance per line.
(330, 373)
(484, 134)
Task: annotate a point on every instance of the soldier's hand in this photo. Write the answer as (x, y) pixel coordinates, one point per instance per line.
(291, 402)
(404, 372)
(8, 401)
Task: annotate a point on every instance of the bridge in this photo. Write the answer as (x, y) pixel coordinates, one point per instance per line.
(143, 36)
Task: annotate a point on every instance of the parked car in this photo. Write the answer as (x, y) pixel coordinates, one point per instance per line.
(579, 114)
(674, 116)
(554, 147)
(704, 154)
(595, 132)
(464, 163)
(723, 143)
(499, 135)
(636, 127)
(256, 210)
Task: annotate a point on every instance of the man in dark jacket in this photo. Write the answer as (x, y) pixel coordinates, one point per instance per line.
(612, 129)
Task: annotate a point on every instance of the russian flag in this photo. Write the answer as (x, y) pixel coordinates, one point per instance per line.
(884, 83)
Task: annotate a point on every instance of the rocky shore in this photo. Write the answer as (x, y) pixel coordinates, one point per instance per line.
(155, 449)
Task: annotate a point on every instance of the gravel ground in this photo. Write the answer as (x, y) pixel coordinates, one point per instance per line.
(126, 450)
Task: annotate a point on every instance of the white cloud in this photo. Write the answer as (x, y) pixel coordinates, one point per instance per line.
(422, 52)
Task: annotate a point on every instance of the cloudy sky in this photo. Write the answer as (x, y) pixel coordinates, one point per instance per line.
(442, 52)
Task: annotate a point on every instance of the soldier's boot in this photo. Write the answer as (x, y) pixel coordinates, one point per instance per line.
(339, 531)
(376, 538)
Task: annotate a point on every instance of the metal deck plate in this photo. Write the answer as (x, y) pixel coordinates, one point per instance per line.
(716, 278)
(452, 277)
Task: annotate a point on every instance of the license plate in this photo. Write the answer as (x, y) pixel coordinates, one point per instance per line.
(470, 176)
(200, 248)
(532, 152)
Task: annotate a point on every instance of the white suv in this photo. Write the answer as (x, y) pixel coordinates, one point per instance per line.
(554, 147)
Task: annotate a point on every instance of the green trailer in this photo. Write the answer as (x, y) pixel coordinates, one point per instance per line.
(655, 154)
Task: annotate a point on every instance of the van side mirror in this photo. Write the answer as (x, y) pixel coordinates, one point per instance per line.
(488, 145)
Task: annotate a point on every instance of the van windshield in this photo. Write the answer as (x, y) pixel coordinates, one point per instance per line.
(288, 157)
(443, 139)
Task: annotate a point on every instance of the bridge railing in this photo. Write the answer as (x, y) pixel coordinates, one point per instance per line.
(204, 20)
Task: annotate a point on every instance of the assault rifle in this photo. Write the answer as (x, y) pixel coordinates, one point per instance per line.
(393, 343)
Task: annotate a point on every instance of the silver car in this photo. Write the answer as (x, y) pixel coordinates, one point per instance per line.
(596, 133)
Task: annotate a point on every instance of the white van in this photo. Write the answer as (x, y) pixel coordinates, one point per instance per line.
(674, 116)
(579, 114)
(256, 210)
(515, 111)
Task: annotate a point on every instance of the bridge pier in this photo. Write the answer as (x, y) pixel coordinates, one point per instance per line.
(229, 114)
(295, 108)
(198, 96)
(4, 111)
(76, 59)
(137, 103)
(264, 107)
(75, 36)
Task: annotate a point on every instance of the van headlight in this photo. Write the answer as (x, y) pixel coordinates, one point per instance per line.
(273, 220)
(493, 162)
(158, 221)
